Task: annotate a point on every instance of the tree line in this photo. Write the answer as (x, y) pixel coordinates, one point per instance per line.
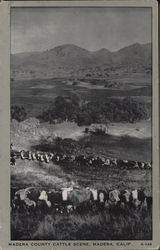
(87, 112)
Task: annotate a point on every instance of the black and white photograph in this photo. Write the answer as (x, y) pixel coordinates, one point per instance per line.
(81, 123)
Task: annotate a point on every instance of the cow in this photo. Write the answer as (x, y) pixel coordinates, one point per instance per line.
(137, 198)
(26, 199)
(34, 156)
(141, 165)
(103, 196)
(124, 197)
(147, 165)
(53, 199)
(38, 155)
(57, 158)
(29, 155)
(136, 165)
(41, 158)
(149, 202)
(46, 158)
(78, 196)
(113, 162)
(51, 155)
(107, 163)
(120, 163)
(81, 160)
(22, 155)
(113, 197)
(12, 161)
(131, 164)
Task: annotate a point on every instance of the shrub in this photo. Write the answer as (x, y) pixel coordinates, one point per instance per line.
(18, 113)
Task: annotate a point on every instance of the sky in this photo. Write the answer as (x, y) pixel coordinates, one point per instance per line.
(39, 29)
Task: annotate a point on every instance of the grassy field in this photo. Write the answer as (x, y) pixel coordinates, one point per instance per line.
(119, 224)
(108, 224)
(122, 225)
(36, 95)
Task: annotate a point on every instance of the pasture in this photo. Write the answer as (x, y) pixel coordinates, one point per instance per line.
(120, 142)
(36, 95)
(105, 225)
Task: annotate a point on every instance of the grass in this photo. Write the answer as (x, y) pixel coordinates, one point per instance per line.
(120, 147)
(36, 100)
(107, 225)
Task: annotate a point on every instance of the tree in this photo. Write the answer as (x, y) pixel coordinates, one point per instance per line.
(18, 113)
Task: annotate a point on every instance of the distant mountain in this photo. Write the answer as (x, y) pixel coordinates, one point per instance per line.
(69, 59)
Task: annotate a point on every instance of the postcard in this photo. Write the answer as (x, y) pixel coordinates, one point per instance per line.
(79, 127)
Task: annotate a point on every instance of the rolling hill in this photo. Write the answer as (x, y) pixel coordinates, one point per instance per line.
(71, 60)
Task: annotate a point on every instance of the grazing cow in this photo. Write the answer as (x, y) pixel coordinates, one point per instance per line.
(103, 196)
(124, 197)
(12, 161)
(34, 156)
(57, 158)
(113, 198)
(38, 156)
(141, 165)
(41, 158)
(94, 193)
(131, 164)
(78, 196)
(120, 163)
(107, 162)
(26, 198)
(114, 162)
(136, 165)
(137, 198)
(22, 154)
(51, 155)
(53, 198)
(90, 161)
(81, 160)
(147, 165)
(45, 197)
(46, 158)
(29, 155)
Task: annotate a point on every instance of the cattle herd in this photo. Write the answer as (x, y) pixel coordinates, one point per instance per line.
(78, 160)
(74, 199)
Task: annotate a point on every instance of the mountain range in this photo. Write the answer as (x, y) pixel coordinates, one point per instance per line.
(70, 59)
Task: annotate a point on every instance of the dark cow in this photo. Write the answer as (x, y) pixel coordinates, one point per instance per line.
(149, 202)
(26, 199)
(81, 160)
(80, 199)
(120, 163)
(56, 200)
(141, 165)
(124, 197)
(103, 196)
(51, 197)
(137, 198)
(12, 161)
(131, 164)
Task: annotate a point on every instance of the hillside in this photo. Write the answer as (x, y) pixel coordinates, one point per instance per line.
(72, 61)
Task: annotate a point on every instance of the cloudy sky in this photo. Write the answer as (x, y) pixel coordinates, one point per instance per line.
(38, 29)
